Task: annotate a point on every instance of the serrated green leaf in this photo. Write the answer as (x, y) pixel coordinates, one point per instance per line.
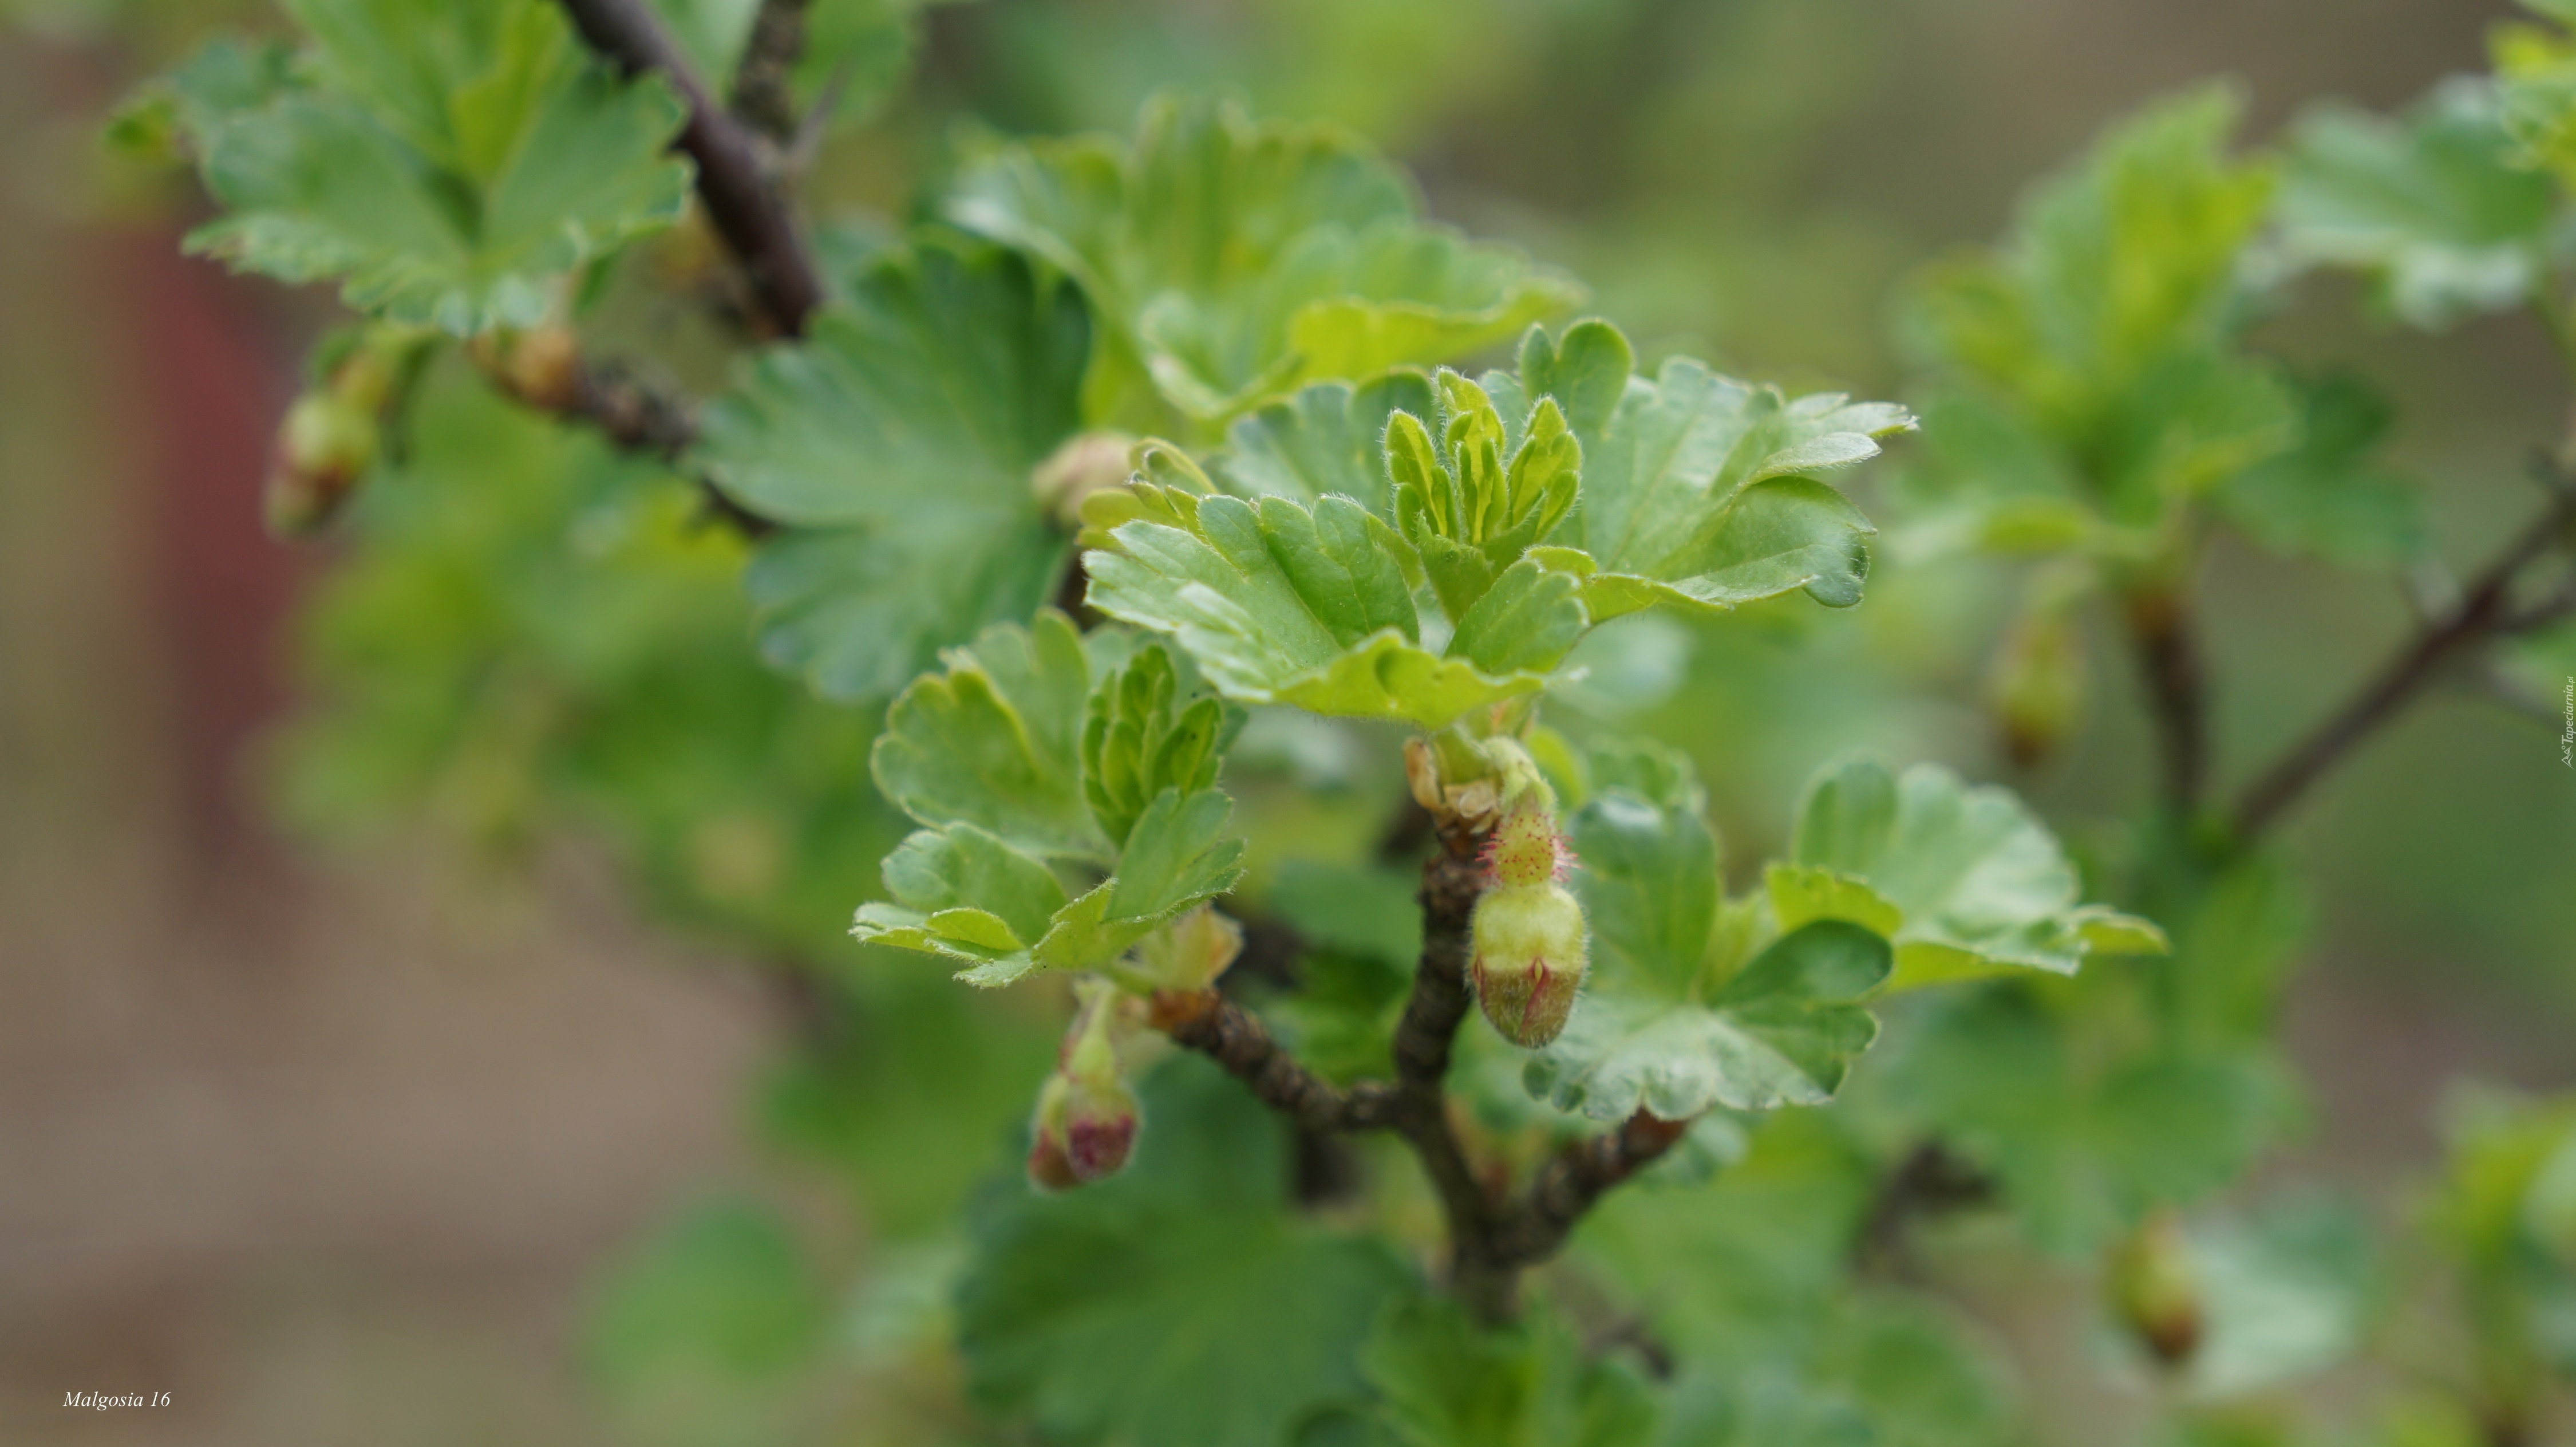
(964, 893)
(450, 162)
(2106, 321)
(1483, 491)
(994, 741)
(188, 106)
(1177, 1304)
(1783, 1031)
(1650, 884)
(1325, 439)
(1141, 736)
(1694, 486)
(2329, 497)
(1527, 621)
(1978, 881)
(1234, 260)
(2085, 1146)
(2429, 206)
(897, 443)
(967, 895)
(1443, 1380)
(1277, 604)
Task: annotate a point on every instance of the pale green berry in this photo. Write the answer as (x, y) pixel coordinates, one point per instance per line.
(1529, 960)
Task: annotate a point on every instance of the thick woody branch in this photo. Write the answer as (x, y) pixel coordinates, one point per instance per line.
(1491, 1239)
(2483, 614)
(760, 84)
(734, 184)
(1580, 1175)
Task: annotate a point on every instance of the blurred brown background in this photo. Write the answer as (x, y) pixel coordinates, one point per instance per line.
(329, 1148)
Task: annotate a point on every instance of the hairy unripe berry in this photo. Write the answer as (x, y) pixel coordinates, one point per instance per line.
(324, 446)
(1085, 1131)
(1087, 1115)
(1529, 960)
(2155, 1290)
(1526, 848)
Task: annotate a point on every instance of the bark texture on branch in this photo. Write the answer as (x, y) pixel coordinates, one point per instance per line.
(734, 182)
(2483, 614)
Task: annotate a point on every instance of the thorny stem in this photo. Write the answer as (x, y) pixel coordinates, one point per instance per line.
(1491, 1239)
(2481, 616)
(747, 210)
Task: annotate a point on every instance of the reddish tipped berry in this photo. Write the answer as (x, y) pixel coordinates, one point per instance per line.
(1529, 960)
(1087, 1116)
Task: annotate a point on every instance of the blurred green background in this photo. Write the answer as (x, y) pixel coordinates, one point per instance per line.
(334, 1144)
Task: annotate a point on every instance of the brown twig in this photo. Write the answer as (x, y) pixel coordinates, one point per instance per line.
(2482, 615)
(761, 95)
(1234, 1038)
(1580, 1174)
(2166, 640)
(733, 183)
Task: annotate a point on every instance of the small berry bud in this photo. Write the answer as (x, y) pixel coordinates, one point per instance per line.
(1087, 1116)
(1087, 463)
(540, 367)
(324, 446)
(1529, 960)
(1526, 847)
(1190, 952)
(1084, 1132)
(2155, 1290)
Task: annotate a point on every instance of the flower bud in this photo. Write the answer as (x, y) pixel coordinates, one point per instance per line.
(2155, 1290)
(324, 446)
(540, 366)
(1087, 1116)
(1084, 1131)
(2035, 690)
(1087, 463)
(1529, 960)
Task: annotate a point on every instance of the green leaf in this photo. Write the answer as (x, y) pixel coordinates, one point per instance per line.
(1978, 882)
(1233, 260)
(1695, 487)
(994, 741)
(2535, 70)
(2431, 206)
(897, 442)
(1445, 1381)
(1481, 494)
(2329, 497)
(1139, 738)
(1177, 1304)
(2085, 1141)
(2114, 266)
(1325, 439)
(1783, 1031)
(452, 163)
(2285, 1294)
(962, 893)
(1277, 604)
(725, 1293)
(1175, 857)
(2106, 322)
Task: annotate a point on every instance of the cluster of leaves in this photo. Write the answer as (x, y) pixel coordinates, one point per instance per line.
(1340, 526)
